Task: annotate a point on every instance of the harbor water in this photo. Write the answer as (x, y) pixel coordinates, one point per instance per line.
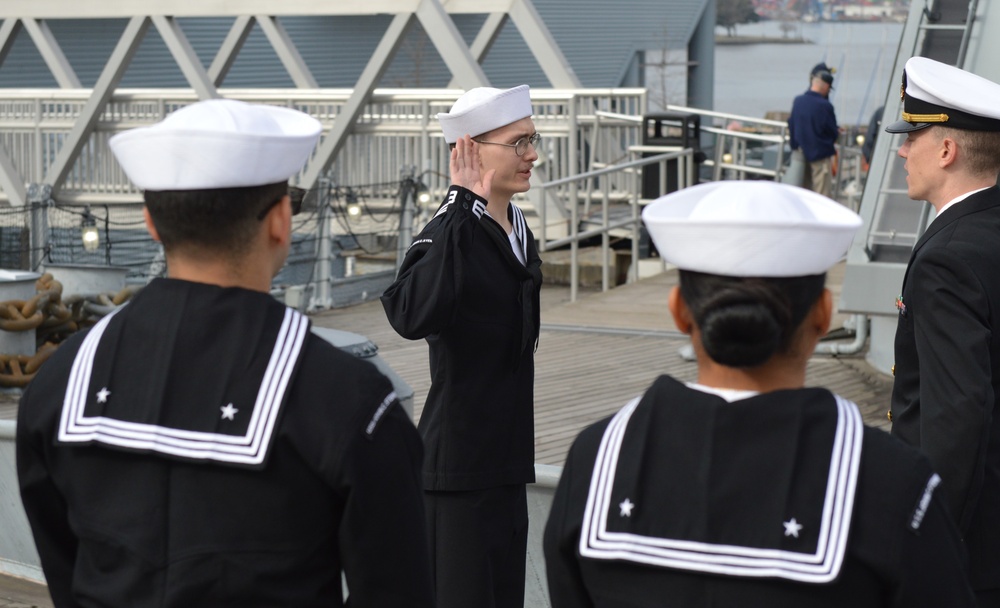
(755, 78)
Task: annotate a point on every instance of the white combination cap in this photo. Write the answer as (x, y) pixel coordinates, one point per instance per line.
(750, 229)
(483, 109)
(936, 93)
(217, 143)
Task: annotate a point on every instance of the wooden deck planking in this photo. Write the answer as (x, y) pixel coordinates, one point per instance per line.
(593, 356)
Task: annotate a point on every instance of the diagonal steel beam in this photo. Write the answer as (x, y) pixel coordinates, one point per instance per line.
(11, 181)
(105, 86)
(230, 48)
(187, 60)
(363, 88)
(467, 73)
(287, 53)
(8, 32)
(487, 35)
(543, 46)
(52, 54)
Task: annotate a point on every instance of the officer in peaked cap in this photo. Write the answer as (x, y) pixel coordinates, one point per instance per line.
(743, 488)
(200, 447)
(934, 93)
(946, 391)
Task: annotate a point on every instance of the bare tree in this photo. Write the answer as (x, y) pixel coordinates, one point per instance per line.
(730, 13)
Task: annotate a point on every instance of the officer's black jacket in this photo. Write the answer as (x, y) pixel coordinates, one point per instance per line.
(946, 394)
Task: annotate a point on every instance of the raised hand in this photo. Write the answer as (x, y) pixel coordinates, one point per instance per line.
(466, 168)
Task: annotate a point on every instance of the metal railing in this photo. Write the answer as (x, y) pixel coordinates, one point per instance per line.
(599, 181)
(586, 184)
(397, 128)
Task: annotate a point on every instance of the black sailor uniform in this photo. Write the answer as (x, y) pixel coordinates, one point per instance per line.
(462, 288)
(780, 499)
(200, 447)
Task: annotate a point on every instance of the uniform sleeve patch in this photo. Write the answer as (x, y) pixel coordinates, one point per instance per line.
(419, 242)
(925, 501)
(388, 402)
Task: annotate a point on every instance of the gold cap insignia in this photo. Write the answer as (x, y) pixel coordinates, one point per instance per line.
(925, 117)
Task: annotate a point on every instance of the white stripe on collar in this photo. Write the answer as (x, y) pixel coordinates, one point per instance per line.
(478, 206)
(820, 567)
(520, 231)
(250, 448)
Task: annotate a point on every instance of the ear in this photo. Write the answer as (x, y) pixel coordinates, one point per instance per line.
(822, 313)
(679, 310)
(948, 152)
(278, 222)
(150, 226)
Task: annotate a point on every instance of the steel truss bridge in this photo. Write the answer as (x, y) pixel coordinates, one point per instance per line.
(54, 141)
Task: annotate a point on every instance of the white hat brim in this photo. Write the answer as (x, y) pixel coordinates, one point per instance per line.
(171, 157)
(750, 229)
(484, 109)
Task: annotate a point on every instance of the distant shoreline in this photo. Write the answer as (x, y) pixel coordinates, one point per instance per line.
(761, 40)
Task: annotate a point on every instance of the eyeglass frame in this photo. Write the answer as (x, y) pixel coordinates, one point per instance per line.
(531, 139)
(295, 194)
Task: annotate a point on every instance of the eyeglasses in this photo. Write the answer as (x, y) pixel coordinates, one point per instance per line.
(520, 146)
(295, 193)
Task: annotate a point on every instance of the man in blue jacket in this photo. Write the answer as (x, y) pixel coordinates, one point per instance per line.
(812, 126)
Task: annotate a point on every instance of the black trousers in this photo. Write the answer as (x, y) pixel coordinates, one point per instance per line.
(478, 541)
(988, 598)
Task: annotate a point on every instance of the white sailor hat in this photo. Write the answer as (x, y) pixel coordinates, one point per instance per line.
(217, 143)
(750, 229)
(483, 109)
(936, 93)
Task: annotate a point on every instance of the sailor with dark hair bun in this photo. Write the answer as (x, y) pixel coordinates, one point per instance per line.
(745, 488)
(744, 322)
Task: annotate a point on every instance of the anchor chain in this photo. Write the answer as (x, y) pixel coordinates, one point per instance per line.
(53, 319)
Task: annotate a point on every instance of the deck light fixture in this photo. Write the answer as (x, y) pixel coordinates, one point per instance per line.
(88, 231)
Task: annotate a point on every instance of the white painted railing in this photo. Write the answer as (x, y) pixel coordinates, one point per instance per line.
(397, 129)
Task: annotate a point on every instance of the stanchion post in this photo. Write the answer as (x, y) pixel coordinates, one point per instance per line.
(39, 199)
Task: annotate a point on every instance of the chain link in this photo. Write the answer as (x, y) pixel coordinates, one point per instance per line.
(53, 319)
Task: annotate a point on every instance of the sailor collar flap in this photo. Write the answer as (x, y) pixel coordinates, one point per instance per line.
(718, 497)
(514, 214)
(226, 413)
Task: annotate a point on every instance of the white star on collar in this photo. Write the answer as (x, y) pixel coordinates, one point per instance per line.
(103, 394)
(792, 528)
(228, 412)
(626, 507)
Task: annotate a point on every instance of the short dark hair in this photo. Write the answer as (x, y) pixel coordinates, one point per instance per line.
(982, 149)
(218, 219)
(746, 321)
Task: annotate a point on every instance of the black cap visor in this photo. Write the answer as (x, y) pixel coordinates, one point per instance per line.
(902, 126)
(923, 114)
